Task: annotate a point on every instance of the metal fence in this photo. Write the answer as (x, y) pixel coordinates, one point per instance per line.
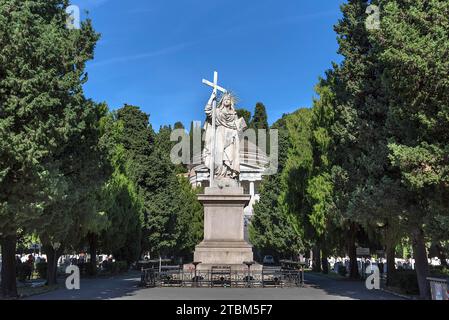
(175, 276)
(439, 288)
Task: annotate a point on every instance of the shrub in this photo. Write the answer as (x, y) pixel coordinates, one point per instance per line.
(118, 267)
(41, 269)
(22, 271)
(342, 271)
(405, 280)
(91, 269)
(83, 268)
(439, 271)
(122, 266)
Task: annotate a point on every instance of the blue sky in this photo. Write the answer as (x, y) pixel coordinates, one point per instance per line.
(154, 53)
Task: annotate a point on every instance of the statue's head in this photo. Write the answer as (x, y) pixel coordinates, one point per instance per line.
(228, 100)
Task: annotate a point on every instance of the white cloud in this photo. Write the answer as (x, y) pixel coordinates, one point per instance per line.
(156, 53)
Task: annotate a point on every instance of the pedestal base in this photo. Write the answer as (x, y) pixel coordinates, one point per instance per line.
(223, 253)
(224, 242)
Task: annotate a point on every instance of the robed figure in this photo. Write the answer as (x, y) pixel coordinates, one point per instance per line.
(228, 129)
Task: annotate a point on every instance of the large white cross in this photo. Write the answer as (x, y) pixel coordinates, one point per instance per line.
(216, 88)
(215, 84)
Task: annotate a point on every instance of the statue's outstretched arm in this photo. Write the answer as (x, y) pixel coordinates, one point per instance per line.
(208, 108)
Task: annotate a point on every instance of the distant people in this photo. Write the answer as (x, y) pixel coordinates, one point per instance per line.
(82, 258)
(29, 266)
(104, 264)
(381, 267)
(368, 264)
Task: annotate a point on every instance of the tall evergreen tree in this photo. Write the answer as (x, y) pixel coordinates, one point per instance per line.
(178, 125)
(41, 107)
(166, 211)
(122, 205)
(414, 44)
(273, 229)
(260, 118)
(84, 168)
(357, 127)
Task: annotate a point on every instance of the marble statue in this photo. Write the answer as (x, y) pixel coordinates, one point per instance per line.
(223, 129)
(224, 200)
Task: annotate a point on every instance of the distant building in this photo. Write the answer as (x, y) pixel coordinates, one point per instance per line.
(253, 163)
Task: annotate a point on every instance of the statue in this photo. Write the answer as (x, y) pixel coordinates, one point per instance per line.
(224, 200)
(222, 144)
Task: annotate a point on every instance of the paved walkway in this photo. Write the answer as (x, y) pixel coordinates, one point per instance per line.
(126, 288)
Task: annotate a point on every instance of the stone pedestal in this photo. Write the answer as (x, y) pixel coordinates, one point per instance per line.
(224, 242)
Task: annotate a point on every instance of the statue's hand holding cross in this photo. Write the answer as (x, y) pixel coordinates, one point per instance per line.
(213, 100)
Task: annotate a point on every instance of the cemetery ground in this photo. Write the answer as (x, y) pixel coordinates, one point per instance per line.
(126, 287)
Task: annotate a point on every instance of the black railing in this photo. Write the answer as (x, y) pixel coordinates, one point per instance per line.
(176, 276)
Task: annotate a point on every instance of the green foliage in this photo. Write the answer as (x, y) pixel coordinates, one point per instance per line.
(178, 125)
(245, 114)
(297, 169)
(172, 221)
(119, 267)
(124, 213)
(43, 109)
(320, 191)
(41, 269)
(418, 97)
(388, 123)
(138, 143)
(190, 218)
(439, 272)
(406, 280)
(273, 228)
(121, 212)
(116, 267)
(260, 118)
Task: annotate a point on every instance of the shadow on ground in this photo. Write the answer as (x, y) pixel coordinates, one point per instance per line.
(126, 287)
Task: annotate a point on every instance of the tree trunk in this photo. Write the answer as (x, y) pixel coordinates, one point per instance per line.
(93, 254)
(421, 263)
(324, 261)
(316, 262)
(391, 265)
(9, 285)
(52, 264)
(352, 253)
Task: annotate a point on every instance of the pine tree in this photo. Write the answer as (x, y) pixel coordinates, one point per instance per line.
(413, 46)
(122, 205)
(41, 107)
(273, 229)
(260, 118)
(245, 114)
